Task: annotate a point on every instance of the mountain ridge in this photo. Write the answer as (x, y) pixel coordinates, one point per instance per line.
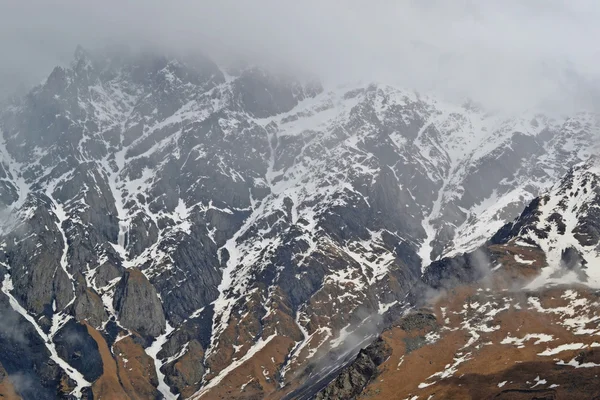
(271, 219)
(512, 319)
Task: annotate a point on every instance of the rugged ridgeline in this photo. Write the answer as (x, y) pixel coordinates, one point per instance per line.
(519, 318)
(169, 228)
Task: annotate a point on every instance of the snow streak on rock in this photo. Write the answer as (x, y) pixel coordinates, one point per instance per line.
(255, 205)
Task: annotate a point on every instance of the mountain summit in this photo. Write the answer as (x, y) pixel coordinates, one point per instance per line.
(170, 229)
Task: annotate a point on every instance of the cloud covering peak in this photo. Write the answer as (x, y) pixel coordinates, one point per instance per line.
(510, 54)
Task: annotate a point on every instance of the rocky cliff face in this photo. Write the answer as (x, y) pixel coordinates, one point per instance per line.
(517, 318)
(137, 305)
(237, 234)
(352, 380)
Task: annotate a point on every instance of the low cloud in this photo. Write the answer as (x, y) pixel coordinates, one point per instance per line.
(510, 54)
(24, 384)
(13, 328)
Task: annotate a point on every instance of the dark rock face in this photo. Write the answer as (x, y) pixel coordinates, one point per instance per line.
(353, 379)
(263, 96)
(79, 349)
(188, 370)
(88, 306)
(450, 272)
(137, 304)
(528, 217)
(572, 260)
(417, 321)
(197, 257)
(25, 357)
(38, 277)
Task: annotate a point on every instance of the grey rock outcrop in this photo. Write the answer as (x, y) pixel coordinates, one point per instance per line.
(88, 306)
(138, 305)
(76, 346)
(353, 379)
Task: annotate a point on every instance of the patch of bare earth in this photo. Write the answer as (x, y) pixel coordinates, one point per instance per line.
(135, 369)
(108, 385)
(7, 390)
(129, 375)
(494, 341)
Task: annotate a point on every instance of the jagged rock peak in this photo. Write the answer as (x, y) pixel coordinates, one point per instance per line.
(138, 305)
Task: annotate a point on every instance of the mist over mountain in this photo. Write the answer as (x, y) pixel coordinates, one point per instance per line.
(507, 55)
(294, 201)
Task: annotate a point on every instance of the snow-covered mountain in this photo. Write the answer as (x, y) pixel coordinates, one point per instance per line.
(564, 224)
(230, 234)
(518, 318)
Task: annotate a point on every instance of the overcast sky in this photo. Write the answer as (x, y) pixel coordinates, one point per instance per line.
(514, 53)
